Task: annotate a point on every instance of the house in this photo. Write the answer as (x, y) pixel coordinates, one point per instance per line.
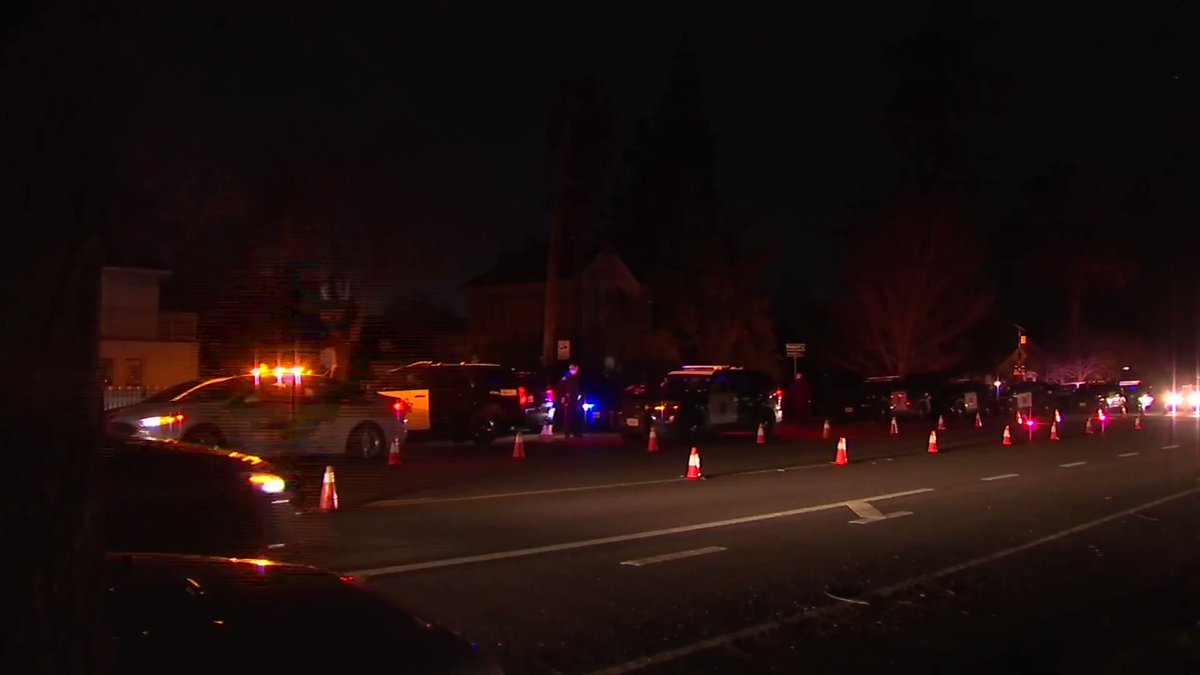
(604, 317)
(142, 347)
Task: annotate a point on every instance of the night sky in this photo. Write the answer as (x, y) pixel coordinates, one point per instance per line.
(436, 115)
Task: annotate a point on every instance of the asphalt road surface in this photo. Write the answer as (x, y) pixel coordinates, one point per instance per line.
(1081, 555)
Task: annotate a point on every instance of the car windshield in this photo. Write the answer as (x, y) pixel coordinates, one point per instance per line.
(685, 384)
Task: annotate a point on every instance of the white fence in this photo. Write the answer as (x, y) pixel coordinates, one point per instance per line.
(115, 397)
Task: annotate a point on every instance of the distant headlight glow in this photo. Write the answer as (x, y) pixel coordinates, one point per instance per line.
(1174, 398)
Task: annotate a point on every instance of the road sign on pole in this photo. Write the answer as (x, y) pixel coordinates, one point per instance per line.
(794, 350)
(564, 350)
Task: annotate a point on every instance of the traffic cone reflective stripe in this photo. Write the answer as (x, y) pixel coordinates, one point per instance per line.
(693, 470)
(933, 442)
(1054, 431)
(941, 423)
(840, 457)
(394, 453)
(329, 498)
(652, 445)
(547, 431)
(1057, 417)
(1087, 428)
(1137, 423)
(518, 447)
(1007, 436)
(978, 421)
(826, 430)
(762, 436)
(895, 427)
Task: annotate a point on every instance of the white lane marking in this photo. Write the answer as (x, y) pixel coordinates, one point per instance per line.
(642, 562)
(1127, 454)
(1001, 476)
(1170, 447)
(867, 513)
(769, 626)
(851, 601)
(650, 534)
(1068, 465)
(502, 495)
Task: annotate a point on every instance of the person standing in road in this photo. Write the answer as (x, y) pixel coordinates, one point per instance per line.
(572, 411)
(800, 397)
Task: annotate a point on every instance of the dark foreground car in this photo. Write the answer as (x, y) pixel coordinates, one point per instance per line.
(181, 498)
(187, 614)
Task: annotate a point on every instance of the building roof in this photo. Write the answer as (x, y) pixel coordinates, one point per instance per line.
(523, 265)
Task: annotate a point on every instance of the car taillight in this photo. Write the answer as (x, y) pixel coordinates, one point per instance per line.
(778, 394)
(521, 395)
(549, 396)
(268, 482)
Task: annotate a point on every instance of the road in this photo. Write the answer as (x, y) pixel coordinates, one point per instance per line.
(594, 556)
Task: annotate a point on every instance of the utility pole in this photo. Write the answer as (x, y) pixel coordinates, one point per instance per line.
(554, 254)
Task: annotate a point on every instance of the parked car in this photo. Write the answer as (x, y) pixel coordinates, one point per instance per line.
(184, 498)
(464, 401)
(269, 414)
(191, 614)
(699, 399)
(537, 400)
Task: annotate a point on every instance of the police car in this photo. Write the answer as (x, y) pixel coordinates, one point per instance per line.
(271, 412)
(465, 401)
(699, 399)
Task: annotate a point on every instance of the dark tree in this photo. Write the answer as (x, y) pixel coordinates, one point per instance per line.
(1078, 243)
(59, 66)
(708, 304)
(941, 93)
(910, 291)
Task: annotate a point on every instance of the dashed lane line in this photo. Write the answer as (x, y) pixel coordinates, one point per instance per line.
(642, 562)
(1069, 465)
(1001, 476)
(1127, 454)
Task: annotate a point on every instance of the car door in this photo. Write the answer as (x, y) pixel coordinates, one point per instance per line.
(412, 387)
(722, 402)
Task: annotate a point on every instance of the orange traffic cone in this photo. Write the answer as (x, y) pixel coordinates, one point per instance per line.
(932, 443)
(1007, 436)
(895, 428)
(762, 436)
(941, 423)
(1137, 423)
(1087, 428)
(1020, 420)
(841, 458)
(652, 446)
(693, 471)
(978, 421)
(518, 447)
(826, 431)
(1054, 431)
(394, 453)
(547, 431)
(329, 498)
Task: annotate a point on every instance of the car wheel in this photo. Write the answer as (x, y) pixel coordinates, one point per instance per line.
(366, 441)
(483, 431)
(204, 434)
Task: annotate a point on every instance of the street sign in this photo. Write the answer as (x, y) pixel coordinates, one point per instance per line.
(1025, 400)
(795, 349)
(564, 350)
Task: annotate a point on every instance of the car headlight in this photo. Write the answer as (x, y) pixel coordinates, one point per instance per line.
(1174, 398)
(1145, 400)
(161, 421)
(1193, 399)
